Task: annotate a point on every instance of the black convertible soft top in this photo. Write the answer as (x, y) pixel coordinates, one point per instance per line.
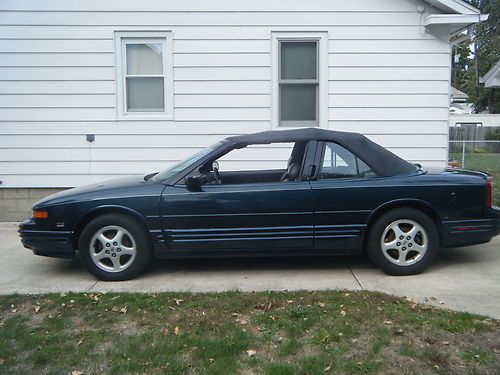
(380, 160)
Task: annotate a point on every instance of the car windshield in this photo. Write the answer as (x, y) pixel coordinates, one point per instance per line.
(167, 173)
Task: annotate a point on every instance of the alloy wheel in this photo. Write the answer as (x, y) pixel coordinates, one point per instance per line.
(112, 248)
(404, 242)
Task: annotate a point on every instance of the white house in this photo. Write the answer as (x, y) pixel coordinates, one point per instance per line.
(92, 89)
(492, 78)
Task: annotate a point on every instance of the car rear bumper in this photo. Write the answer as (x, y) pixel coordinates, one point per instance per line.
(471, 232)
(46, 243)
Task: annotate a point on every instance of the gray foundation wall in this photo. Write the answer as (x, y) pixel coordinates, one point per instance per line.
(15, 204)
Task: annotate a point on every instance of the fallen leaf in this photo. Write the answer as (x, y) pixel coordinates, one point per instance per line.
(321, 304)
(74, 372)
(14, 310)
(274, 317)
(342, 312)
(211, 360)
(178, 301)
(171, 308)
(251, 352)
(123, 310)
(327, 368)
(289, 301)
(37, 309)
(80, 342)
(176, 330)
(2, 361)
(235, 314)
(388, 322)
(446, 343)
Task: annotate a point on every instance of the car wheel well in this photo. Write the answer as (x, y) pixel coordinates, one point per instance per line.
(409, 204)
(104, 211)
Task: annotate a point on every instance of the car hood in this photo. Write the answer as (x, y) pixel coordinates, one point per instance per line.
(70, 195)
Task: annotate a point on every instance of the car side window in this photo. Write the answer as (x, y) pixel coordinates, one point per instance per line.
(338, 162)
(258, 163)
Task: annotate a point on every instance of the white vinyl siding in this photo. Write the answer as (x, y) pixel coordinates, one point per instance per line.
(383, 77)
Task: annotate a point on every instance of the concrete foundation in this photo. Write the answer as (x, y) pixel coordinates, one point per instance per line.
(16, 204)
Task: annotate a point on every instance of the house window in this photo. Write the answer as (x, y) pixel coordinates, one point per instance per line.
(298, 83)
(144, 74)
(300, 79)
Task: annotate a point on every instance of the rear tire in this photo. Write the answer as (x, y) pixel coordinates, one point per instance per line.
(114, 247)
(404, 241)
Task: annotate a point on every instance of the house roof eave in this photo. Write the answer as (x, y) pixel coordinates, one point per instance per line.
(454, 6)
(452, 23)
(492, 78)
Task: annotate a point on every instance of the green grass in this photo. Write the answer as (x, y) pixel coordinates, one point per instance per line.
(336, 332)
(489, 163)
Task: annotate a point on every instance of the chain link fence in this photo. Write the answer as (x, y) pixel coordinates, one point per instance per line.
(478, 156)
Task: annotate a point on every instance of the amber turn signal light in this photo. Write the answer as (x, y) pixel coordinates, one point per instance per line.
(40, 214)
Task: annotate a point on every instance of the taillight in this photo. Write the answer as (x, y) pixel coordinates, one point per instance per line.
(488, 192)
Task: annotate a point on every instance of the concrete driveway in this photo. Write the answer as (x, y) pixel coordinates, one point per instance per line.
(465, 279)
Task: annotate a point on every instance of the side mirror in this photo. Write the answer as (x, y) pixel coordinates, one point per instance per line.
(215, 166)
(194, 182)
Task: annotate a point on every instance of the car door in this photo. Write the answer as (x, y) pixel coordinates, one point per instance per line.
(341, 192)
(247, 216)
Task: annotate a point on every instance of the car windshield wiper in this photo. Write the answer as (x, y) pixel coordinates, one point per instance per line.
(148, 176)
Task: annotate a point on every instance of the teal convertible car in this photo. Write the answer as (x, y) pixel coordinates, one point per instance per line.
(340, 193)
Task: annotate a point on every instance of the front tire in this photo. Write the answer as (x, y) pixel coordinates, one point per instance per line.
(114, 248)
(403, 241)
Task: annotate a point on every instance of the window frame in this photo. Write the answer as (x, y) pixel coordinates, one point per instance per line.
(122, 38)
(321, 81)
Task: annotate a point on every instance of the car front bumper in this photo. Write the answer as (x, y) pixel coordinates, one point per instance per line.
(46, 242)
(471, 232)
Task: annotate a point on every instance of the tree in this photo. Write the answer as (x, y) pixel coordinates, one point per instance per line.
(485, 53)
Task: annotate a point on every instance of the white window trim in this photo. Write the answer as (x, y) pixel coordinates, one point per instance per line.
(322, 103)
(121, 37)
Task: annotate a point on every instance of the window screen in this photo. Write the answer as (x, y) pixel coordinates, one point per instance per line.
(298, 83)
(144, 77)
